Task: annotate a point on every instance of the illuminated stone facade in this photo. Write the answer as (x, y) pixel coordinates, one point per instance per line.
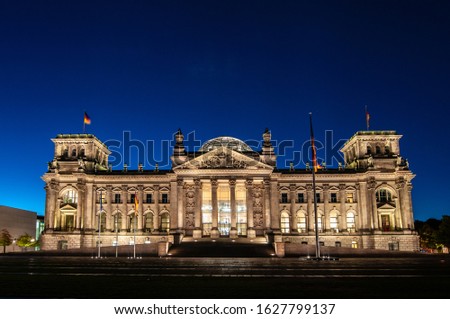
(226, 189)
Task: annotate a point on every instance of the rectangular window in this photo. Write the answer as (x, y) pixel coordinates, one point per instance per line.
(300, 198)
(149, 199)
(318, 197)
(337, 244)
(164, 198)
(349, 197)
(117, 198)
(393, 246)
(333, 198)
(132, 197)
(284, 197)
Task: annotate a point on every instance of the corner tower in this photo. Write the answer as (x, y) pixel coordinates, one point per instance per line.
(78, 153)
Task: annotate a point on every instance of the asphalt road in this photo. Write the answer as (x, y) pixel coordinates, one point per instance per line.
(176, 277)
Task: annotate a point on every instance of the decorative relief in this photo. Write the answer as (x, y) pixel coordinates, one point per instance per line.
(190, 206)
(258, 220)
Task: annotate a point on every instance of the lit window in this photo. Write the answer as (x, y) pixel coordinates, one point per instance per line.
(333, 220)
(350, 220)
(301, 222)
(350, 198)
(383, 196)
(70, 197)
(284, 222)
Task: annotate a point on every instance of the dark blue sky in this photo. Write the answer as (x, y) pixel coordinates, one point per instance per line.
(223, 68)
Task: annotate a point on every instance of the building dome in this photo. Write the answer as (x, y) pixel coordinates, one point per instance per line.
(225, 141)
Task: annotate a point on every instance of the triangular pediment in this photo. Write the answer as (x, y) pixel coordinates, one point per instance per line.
(386, 206)
(68, 207)
(223, 157)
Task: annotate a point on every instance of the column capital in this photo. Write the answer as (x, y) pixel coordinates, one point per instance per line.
(232, 182)
(214, 183)
(180, 182)
(198, 183)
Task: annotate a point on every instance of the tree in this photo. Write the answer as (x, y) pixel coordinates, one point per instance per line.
(428, 231)
(25, 241)
(5, 239)
(443, 233)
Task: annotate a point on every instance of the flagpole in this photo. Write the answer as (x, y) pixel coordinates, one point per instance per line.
(134, 228)
(367, 119)
(313, 147)
(99, 224)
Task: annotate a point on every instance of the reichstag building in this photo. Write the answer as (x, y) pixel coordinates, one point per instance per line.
(228, 190)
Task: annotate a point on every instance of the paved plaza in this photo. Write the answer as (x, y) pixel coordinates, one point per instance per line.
(38, 276)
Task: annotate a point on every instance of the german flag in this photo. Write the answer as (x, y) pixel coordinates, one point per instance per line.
(87, 119)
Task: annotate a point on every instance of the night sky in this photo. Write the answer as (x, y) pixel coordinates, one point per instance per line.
(143, 69)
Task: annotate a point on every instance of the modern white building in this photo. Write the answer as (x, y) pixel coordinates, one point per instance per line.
(226, 189)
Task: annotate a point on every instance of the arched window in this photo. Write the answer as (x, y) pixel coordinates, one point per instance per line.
(383, 196)
(319, 222)
(165, 222)
(70, 196)
(387, 150)
(369, 150)
(284, 222)
(378, 149)
(148, 222)
(301, 222)
(333, 220)
(117, 221)
(74, 152)
(65, 153)
(82, 152)
(102, 221)
(350, 220)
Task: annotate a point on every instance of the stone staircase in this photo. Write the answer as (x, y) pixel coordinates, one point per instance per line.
(223, 247)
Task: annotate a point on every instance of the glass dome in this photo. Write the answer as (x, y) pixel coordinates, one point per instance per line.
(225, 141)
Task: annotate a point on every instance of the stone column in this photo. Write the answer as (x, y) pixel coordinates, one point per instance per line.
(358, 222)
(197, 233)
(310, 207)
(109, 220)
(251, 233)
(124, 198)
(175, 193)
(364, 206)
(266, 196)
(140, 195)
(156, 206)
(373, 204)
(81, 198)
(274, 206)
(409, 206)
(180, 204)
(51, 196)
(233, 230)
(342, 209)
(292, 189)
(326, 208)
(89, 208)
(215, 210)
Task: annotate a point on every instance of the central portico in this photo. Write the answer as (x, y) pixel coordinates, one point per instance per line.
(225, 184)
